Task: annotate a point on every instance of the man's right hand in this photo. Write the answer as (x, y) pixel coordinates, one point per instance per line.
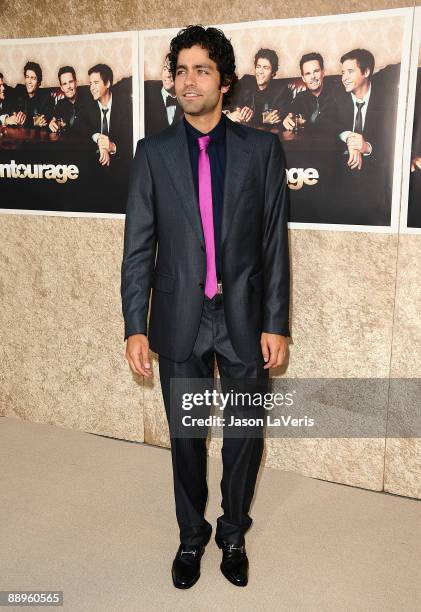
(137, 354)
(16, 119)
(241, 114)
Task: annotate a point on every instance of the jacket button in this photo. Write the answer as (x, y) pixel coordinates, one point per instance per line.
(202, 248)
(201, 285)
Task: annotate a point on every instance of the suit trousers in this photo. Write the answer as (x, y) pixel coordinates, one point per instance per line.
(241, 455)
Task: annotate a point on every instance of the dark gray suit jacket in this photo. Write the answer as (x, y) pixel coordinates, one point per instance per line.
(162, 210)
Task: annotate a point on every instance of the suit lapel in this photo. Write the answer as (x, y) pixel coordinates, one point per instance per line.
(238, 161)
(175, 153)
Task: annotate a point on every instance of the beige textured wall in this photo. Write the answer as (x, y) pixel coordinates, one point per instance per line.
(62, 348)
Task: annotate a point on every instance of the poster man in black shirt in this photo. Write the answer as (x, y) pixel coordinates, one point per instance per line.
(36, 104)
(261, 100)
(315, 105)
(66, 113)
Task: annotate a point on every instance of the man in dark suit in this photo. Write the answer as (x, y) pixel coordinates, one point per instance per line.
(107, 118)
(68, 111)
(364, 126)
(414, 202)
(260, 99)
(315, 106)
(7, 114)
(161, 106)
(36, 104)
(210, 198)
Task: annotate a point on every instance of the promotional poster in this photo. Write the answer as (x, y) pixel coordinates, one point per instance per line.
(333, 90)
(68, 123)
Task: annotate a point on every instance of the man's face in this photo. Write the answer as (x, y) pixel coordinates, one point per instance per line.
(1, 89)
(167, 80)
(68, 85)
(31, 82)
(198, 82)
(97, 86)
(352, 77)
(264, 72)
(313, 75)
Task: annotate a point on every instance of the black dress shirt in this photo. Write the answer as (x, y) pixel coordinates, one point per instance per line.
(69, 112)
(276, 96)
(217, 158)
(39, 104)
(319, 112)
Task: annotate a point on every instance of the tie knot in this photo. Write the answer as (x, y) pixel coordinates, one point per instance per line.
(203, 142)
(105, 111)
(360, 104)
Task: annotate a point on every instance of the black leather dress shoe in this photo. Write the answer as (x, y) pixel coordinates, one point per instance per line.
(234, 564)
(186, 566)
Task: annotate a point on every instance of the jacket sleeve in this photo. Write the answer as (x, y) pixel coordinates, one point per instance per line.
(139, 246)
(275, 245)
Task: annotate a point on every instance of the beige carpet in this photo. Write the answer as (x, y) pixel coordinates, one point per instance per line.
(94, 517)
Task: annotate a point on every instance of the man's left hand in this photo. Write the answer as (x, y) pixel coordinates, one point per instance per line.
(357, 142)
(273, 117)
(105, 143)
(40, 120)
(275, 349)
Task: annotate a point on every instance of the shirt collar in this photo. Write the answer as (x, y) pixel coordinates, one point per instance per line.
(217, 134)
(166, 94)
(365, 99)
(110, 101)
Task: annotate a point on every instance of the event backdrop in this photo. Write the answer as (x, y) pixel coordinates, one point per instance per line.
(45, 170)
(60, 173)
(325, 192)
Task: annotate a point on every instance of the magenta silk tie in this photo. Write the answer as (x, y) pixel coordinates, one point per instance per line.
(206, 213)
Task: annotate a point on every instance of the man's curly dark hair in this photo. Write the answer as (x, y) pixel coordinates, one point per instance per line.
(218, 46)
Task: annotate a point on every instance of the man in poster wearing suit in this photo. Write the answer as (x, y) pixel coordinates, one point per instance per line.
(161, 106)
(107, 118)
(7, 114)
(220, 281)
(414, 201)
(364, 124)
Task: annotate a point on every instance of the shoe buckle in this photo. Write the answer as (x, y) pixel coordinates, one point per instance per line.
(188, 552)
(232, 547)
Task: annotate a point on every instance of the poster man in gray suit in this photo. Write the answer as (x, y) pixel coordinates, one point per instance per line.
(212, 195)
